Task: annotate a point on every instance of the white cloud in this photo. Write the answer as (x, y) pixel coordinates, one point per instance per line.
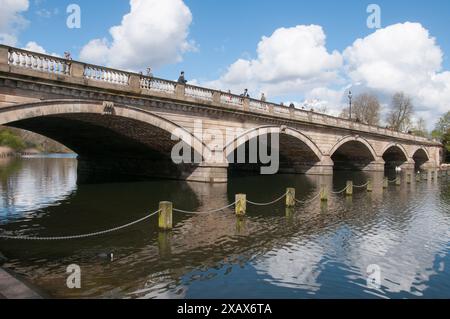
(35, 47)
(291, 59)
(295, 62)
(153, 33)
(47, 13)
(402, 57)
(11, 20)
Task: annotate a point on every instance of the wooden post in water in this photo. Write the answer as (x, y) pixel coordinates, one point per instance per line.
(385, 182)
(241, 204)
(369, 185)
(408, 178)
(290, 197)
(323, 193)
(349, 190)
(165, 215)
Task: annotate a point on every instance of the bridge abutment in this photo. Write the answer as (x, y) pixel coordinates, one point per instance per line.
(209, 173)
(375, 166)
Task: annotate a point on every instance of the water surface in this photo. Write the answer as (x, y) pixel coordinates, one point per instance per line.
(315, 251)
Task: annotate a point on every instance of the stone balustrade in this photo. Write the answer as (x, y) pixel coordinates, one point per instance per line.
(158, 85)
(231, 99)
(38, 62)
(13, 60)
(199, 93)
(98, 73)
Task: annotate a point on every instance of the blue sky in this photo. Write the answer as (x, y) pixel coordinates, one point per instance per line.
(222, 32)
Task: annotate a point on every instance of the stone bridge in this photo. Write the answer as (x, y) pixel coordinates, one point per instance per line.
(121, 124)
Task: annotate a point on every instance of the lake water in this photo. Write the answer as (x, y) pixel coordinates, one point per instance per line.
(315, 251)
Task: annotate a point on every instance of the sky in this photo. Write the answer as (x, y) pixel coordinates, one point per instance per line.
(307, 52)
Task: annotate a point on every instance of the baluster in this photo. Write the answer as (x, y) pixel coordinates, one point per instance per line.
(35, 62)
(23, 59)
(16, 58)
(28, 58)
(40, 63)
(20, 59)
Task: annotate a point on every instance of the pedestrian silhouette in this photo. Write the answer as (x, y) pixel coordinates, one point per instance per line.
(182, 79)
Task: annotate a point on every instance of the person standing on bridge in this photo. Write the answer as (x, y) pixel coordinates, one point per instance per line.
(182, 79)
(149, 72)
(263, 98)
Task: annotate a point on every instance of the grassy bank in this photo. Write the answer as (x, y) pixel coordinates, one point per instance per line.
(24, 141)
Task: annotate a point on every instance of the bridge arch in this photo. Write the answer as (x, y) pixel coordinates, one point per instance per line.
(353, 152)
(49, 108)
(394, 155)
(109, 138)
(262, 130)
(297, 152)
(420, 157)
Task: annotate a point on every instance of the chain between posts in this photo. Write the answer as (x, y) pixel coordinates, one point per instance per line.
(269, 203)
(339, 192)
(307, 201)
(203, 213)
(361, 186)
(82, 235)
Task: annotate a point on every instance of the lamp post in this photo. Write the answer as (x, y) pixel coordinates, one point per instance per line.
(350, 96)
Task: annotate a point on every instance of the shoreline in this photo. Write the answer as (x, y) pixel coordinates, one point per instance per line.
(12, 154)
(12, 286)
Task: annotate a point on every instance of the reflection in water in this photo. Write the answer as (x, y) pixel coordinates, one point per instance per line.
(314, 250)
(30, 184)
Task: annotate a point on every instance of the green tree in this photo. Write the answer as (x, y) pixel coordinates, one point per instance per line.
(442, 126)
(446, 142)
(442, 133)
(7, 138)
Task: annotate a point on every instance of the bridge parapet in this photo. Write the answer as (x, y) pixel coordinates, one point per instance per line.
(18, 62)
